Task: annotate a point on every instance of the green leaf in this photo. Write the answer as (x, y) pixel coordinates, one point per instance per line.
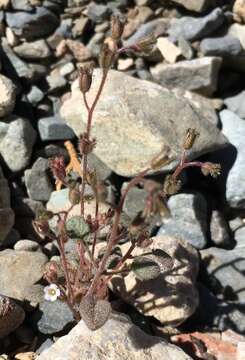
(76, 227)
(145, 268)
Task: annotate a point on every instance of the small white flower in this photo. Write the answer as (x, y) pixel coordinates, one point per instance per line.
(51, 292)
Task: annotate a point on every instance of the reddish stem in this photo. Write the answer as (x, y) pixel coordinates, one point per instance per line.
(113, 236)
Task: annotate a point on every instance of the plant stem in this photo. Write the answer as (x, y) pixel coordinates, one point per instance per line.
(113, 236)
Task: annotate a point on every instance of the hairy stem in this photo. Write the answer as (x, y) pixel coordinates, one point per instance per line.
(113, 236)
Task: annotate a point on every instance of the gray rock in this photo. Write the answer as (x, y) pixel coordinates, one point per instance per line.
(234, 129)
(221, 46)
(37, 180)
(7, 96)
(172, 297)
(188, 219)
(19, 270)
(102, 170)
(16, 146)
(34, 294)
(55, 82)
(26, 245)
(185, 47)
(32, 25)
(219, 230)
(97, 12)
(12, 237)
(157, 26)
(44, 346)
(193, 5)
(135, 201)
(199, 75)
(239, 236)
(236, 104)
(193, 28)
(225, 272)
(11, 316)
(55, 317)
(54, 128)
(238, 31)
(35, 95)
(6, 222)
(218, 314)
(67, 69)
(132, 129)
(35, 50)
(21, 69)
(118, 339)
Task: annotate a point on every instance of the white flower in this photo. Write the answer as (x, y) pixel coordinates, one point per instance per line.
(51, 292)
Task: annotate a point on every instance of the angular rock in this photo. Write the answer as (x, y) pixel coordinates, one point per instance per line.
(168, 50)
(118, 339)
(234, 129)
(225, 272)
(97, 12)
(32, 25)
(236, 104)
(26, 245)
(132, 129)
(185, 47)
(193, 5)
(21, 69)
(188, 219)
(218, 314)
(172, 297)
(16, 146)
(239, 10)
(199, 75)
(192, 28)
(6, 222)
(221, 46)
(219, 230)
(238, 31)
(157, 26)
(35, 95)
(37, 180)
(35, 50)
(11, 316)
(19, 270)
(55, 317)
(54, 128)
(7, 96)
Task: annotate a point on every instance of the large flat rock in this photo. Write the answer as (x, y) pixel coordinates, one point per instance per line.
(135, 118)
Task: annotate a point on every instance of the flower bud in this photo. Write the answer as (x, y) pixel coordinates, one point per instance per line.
(209, 168)
(85, 79)
(117, 28)
(171, 185)
(74, 196)
(158, 162)
(107, 57)
(190, 138)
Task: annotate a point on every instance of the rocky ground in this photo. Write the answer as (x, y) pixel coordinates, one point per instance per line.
(195, 78)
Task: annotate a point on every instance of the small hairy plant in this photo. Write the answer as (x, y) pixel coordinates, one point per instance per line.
(82, 282)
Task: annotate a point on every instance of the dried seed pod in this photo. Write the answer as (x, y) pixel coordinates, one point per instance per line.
(117, 27)
(94, 312)
(76, 227)
(145, 268)
(160, 161)
(146, 44)
(107, 56)
(171, 185)
(74, 195)
(85, 78)
(190, 138)
(137, 225)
